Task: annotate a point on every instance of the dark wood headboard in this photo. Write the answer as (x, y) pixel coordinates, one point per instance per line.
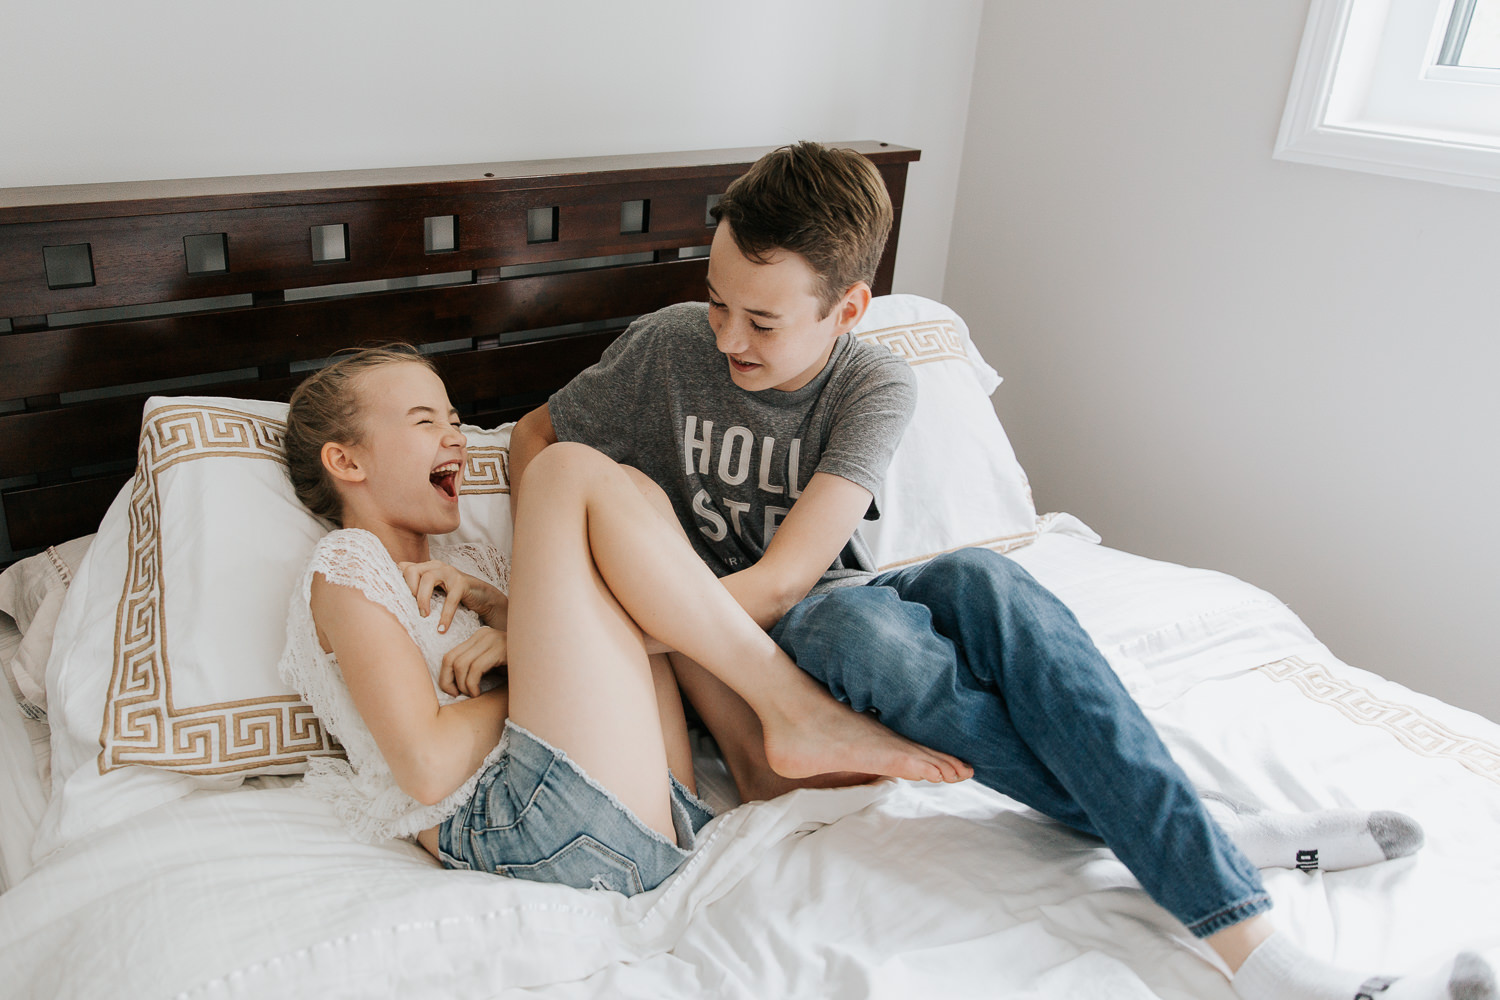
(514, 276)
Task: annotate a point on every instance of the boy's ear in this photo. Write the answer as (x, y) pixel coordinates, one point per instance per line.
(851, 308)
(341, 463)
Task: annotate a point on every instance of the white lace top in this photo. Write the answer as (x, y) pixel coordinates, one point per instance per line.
(362, 789)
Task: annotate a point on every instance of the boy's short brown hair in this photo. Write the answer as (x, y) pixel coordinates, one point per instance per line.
(829, 205)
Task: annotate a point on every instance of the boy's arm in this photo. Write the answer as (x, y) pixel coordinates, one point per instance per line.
(531, 434)
(810, 537)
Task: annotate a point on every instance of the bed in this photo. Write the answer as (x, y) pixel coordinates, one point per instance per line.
(155, 842)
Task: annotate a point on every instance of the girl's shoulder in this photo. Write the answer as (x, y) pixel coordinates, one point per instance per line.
(356, 559)
(343, 546)
(351, 557)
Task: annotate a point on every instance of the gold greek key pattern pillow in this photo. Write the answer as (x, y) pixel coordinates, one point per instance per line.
(165, 653)
(953, 481)
(223, 708)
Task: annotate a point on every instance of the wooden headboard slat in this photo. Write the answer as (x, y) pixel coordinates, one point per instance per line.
(141, 259)
(96, 433)
(502, 384)
(44, 515)
(163, 347)
(489, 377)
(72, 379)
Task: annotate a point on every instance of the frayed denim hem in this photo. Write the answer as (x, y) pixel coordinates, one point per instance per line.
(561, 756)
(682, 822)
(1229, 916)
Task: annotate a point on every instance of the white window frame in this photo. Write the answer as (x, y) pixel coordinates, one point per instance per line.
(1368, 95)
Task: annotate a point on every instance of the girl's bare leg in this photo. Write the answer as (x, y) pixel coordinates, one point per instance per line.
(660, 582)
(737, 730)
(579, 675)
(673, 722)
(730, 719)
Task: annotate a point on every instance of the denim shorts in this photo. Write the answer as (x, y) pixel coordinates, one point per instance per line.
(536, 815)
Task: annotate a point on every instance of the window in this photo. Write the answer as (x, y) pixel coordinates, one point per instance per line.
(1472, 38)
(1408, 88)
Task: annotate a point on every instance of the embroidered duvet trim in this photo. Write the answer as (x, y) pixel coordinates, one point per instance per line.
(1417, 732)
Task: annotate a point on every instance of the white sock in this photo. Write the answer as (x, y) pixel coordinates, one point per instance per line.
(1327, 840)
(1279, 970)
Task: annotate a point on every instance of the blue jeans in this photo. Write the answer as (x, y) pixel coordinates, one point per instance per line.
(968, 654)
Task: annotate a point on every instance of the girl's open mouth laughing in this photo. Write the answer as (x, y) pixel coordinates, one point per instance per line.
(445, 479)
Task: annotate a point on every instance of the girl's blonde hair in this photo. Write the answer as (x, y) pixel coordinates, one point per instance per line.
(326, 407)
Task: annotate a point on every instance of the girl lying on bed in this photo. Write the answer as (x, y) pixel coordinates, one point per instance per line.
(578, 769)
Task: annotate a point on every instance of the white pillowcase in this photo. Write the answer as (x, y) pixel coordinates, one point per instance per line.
(163, 675)
(953, 481)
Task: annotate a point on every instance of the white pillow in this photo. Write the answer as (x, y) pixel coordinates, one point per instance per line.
(953, 481)
(163, 675)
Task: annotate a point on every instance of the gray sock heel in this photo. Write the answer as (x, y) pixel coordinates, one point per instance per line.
(1473, 979)
(1397, 833)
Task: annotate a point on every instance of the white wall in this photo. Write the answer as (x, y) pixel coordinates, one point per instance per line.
(107, 90)
(1282, 371)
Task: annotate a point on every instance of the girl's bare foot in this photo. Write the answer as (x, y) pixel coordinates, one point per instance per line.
(823, 735)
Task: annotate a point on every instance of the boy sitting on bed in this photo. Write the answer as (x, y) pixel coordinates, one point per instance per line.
(769, 426)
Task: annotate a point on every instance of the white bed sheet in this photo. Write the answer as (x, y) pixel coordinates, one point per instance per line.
(895, 890)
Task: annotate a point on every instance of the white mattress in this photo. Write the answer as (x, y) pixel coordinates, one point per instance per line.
(894, 890)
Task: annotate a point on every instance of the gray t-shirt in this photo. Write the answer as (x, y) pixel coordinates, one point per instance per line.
(734, 461)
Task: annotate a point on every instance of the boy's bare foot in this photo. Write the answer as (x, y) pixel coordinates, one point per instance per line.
(822, 736)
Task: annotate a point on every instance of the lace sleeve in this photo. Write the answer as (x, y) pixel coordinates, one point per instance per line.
(356, 559)
(481, 560)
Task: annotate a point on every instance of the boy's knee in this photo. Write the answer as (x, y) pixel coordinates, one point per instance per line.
(974, 581)
(866, 623)
(972, 566)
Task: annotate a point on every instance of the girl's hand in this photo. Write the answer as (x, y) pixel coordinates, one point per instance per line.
(462, 590)
(465, 665)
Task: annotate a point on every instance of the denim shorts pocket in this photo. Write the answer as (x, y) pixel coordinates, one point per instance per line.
(584, 864)
(509, 798)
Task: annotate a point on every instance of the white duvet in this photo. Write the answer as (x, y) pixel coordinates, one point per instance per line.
(893, 890)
